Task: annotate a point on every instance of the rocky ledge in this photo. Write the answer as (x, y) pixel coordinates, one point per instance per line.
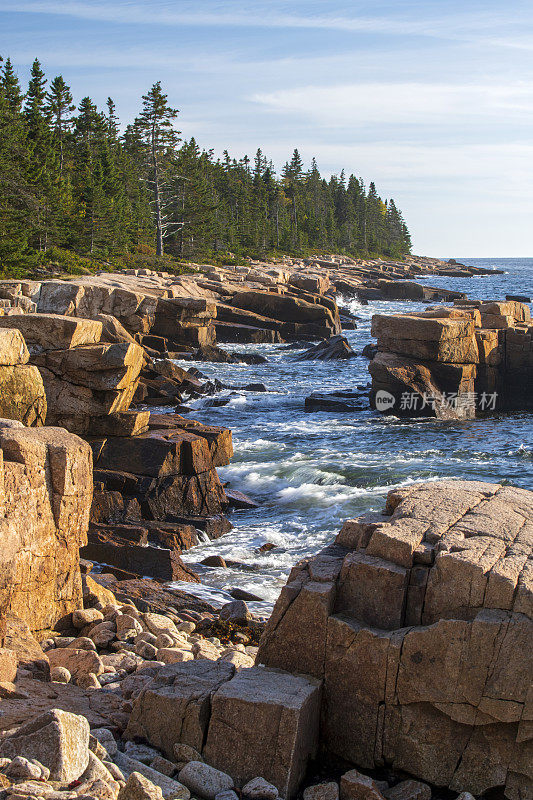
(453, 362)
(418, 623)
(155, 475)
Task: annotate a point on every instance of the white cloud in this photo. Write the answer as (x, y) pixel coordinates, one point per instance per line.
(390, 103)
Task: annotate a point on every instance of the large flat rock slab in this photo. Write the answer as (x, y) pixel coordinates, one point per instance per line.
(53, 331)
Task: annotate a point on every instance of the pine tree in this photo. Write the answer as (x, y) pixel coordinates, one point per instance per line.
(156, 132)
(195, 201)
(112, 119)
(292, 178)
(11, 88)
(40, 156)
(89, 135)
(59, 108)
(15, 191)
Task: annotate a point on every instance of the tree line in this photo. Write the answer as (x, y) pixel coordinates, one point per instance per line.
(71, 179)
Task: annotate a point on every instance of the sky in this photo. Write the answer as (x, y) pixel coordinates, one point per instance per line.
(431, 99)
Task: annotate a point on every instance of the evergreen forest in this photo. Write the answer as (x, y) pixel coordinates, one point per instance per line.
(78, 190)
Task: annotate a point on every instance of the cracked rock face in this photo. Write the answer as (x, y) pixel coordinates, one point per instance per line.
(45, 499)
(419, 623)
(22, 395)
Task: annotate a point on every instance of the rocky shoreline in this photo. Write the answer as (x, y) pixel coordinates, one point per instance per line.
(126, 687)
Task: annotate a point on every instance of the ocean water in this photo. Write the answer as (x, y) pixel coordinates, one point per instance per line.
(309, 471)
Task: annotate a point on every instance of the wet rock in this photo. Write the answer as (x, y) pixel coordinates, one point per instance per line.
(236, 612)
(250, 358)
(255, 387)
(369, 351)
(426, 385)
(265, 548)
(519, 298)
(240, 500)
(336, 401)
(214, 561)
(336, 348)
(241, 594)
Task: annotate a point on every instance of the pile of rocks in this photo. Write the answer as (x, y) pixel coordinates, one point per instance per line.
(102, 647)
(63, 738)
(57, 756)
(453, 362)
(17, 296)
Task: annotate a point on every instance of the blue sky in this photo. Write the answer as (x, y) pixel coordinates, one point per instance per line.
(432, 99)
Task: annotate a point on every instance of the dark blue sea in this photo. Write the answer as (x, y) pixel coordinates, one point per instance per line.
(311, 471)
